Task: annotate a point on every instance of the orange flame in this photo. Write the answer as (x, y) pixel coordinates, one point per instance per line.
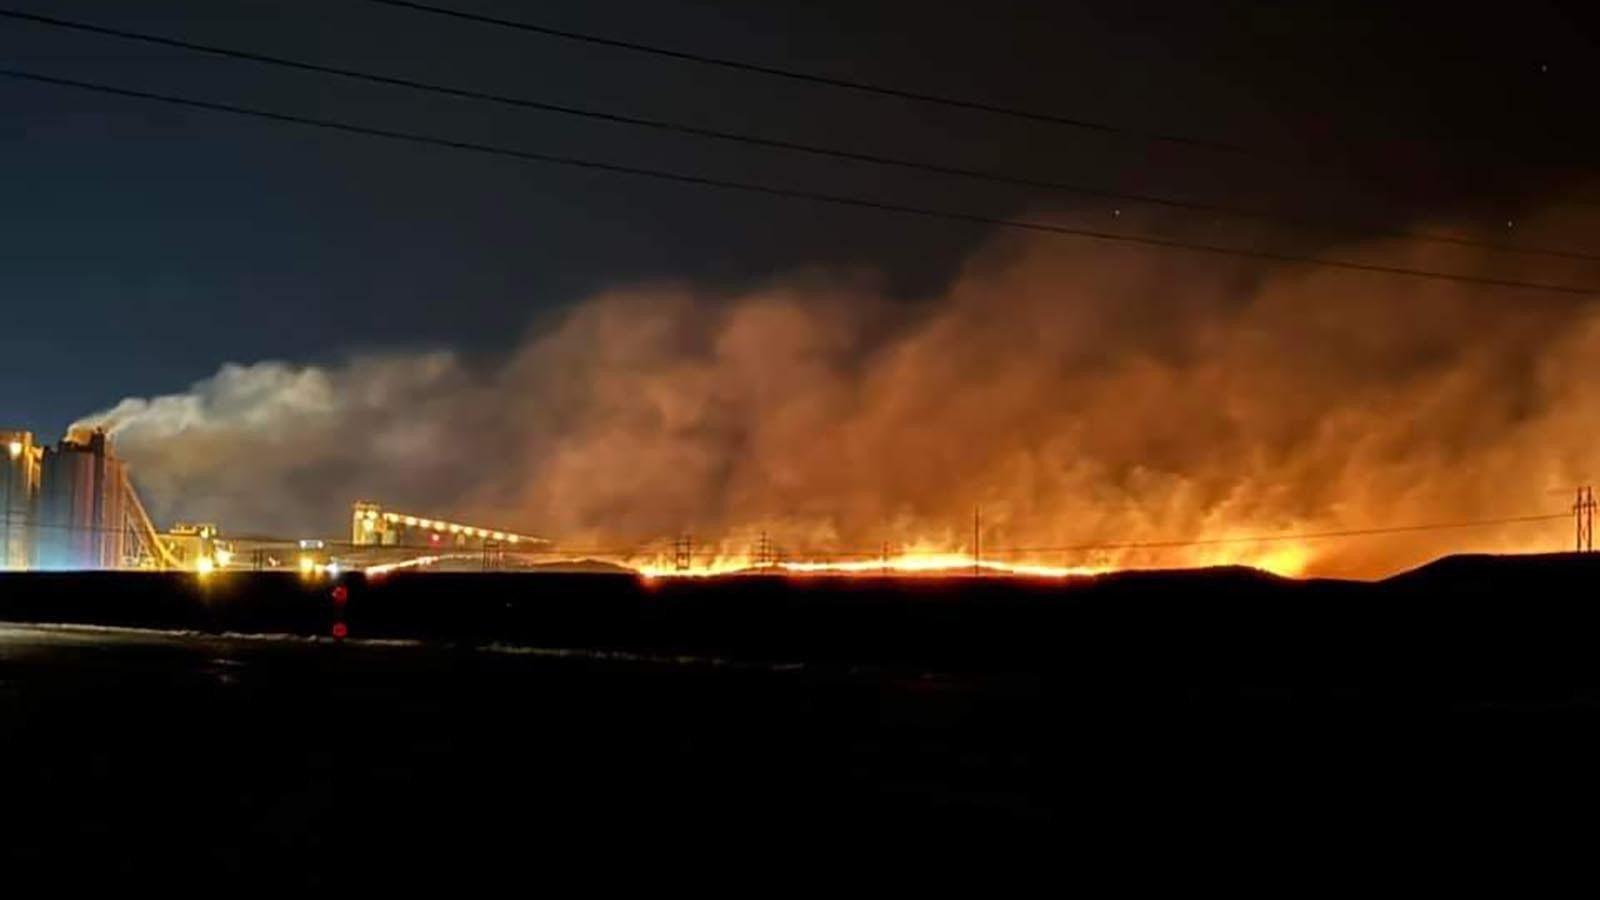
(1285, 559)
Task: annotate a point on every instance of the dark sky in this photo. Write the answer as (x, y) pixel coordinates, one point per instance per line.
(145, 245)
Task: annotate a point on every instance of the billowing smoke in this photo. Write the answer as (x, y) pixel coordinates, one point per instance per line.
(1079, 393)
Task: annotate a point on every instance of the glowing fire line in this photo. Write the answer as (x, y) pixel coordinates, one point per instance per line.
(909, 564)
(1289, 555)
(1289, 561)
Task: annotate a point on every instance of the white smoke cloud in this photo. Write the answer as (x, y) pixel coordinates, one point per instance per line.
(274, 446)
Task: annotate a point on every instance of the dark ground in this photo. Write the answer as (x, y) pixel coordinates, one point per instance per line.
(696, 727)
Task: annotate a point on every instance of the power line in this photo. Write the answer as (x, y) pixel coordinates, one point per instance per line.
(1340, 227)
(677, 546)
(845, 83)
(990, 550)
(1291, 536)
(791, 193)
(865, 87)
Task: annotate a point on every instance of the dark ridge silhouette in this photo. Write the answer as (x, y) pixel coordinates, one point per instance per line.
(1479, 572)
(757, 713)
(1478, 619)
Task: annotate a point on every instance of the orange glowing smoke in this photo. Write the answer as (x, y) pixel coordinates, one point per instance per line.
(1163, 408)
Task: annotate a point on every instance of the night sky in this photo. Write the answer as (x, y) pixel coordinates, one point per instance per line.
(146, 245)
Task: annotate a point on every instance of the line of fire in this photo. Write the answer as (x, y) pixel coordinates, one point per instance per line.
(73, 507)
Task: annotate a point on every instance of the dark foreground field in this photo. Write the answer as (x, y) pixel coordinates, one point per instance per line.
(474, 727)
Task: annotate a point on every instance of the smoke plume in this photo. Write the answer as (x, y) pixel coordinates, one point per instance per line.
(1080, 394)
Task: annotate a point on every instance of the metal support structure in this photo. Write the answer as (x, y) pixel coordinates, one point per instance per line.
(5, 543)
(977, 541)
(766, 553)
(139, 527)
(1583, 507)
(493, 556)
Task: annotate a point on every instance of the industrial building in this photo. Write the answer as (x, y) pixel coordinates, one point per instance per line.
(19, 496)
(71, 506)
(197, 546)
(373, 526)
(81, 506)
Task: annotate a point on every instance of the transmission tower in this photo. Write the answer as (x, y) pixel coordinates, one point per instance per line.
(977, 541)
(1583, 508)
(766, 553)
(683, 552)
(493, 556)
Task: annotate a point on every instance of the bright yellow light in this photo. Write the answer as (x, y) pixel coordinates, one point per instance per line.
(224, 557)
(205, 565)
(372, 515)
(15, 449)
(411, 521)
(307, 565)
(499, 535)
(390, 517)
(513, 539)
(455, 529)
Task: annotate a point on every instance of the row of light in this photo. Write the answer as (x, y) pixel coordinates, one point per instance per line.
(205, 565)
(439, 525)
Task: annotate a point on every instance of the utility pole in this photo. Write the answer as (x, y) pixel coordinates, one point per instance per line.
(14, 452)
(683, 552)
(1583, 508)
(885, 558)
(766, 555)
(5, 548)
(977, 540)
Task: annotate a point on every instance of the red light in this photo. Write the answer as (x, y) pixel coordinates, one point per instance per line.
(340, 630)
(340, 595)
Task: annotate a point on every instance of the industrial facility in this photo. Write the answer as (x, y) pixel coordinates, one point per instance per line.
(72, 506)
(373, 526)
(19, 495)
